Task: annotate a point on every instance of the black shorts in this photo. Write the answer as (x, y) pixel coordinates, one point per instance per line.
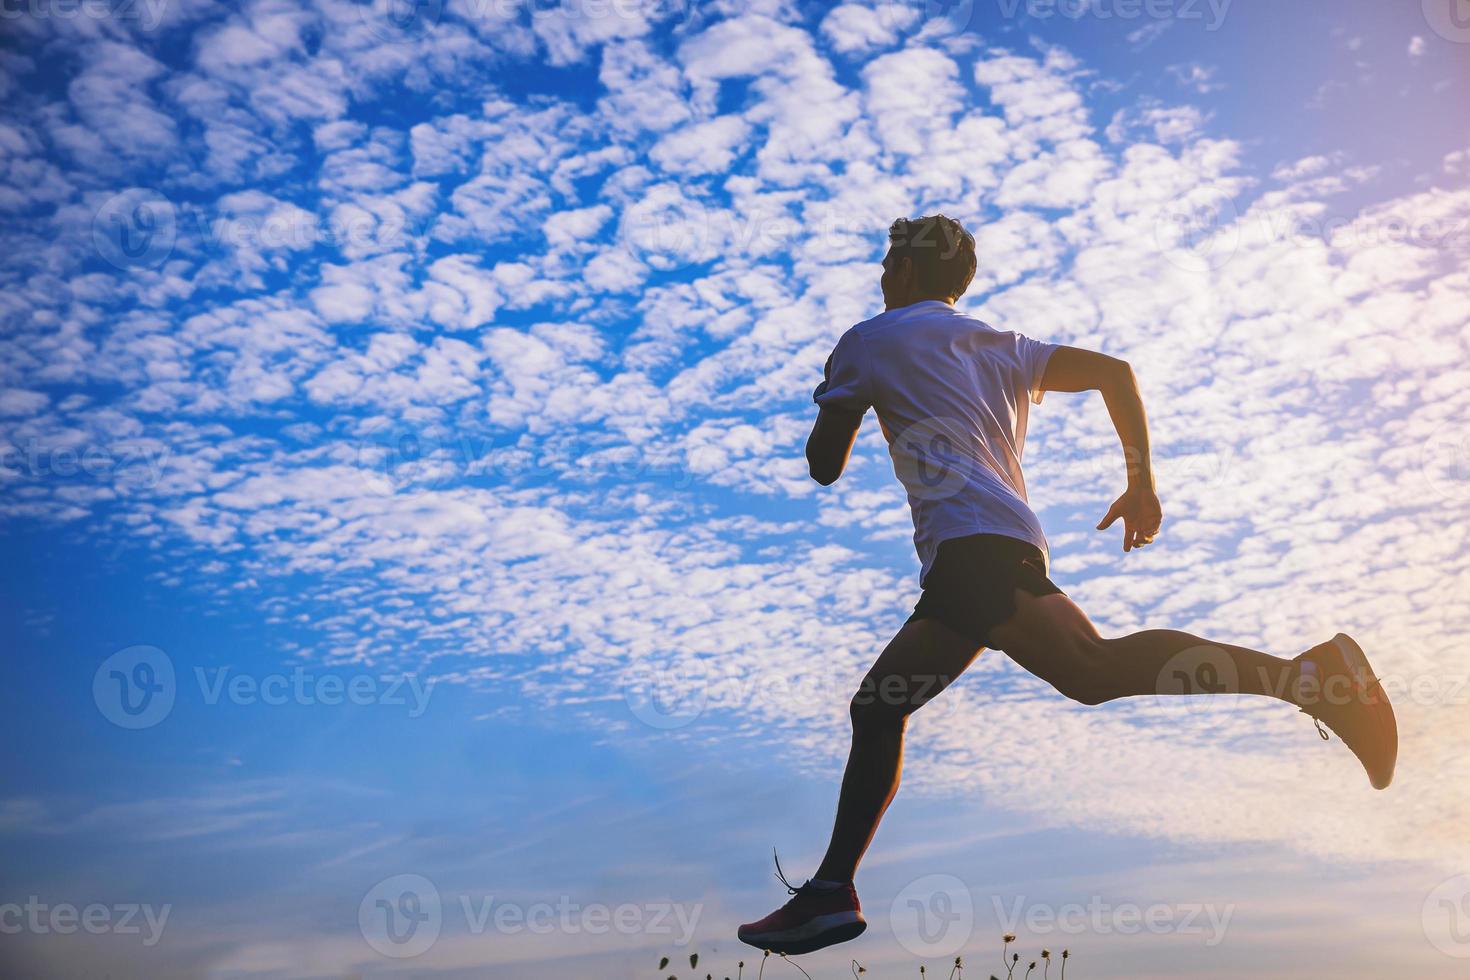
(971, 587)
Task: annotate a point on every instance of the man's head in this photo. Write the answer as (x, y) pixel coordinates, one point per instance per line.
(928, 258)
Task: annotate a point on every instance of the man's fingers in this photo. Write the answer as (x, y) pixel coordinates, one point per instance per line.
(1110, 518)
(1135, 538)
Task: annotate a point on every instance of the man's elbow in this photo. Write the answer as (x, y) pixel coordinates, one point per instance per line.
(823, 473)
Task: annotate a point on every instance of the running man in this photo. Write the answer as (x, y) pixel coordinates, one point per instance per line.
(951, 394)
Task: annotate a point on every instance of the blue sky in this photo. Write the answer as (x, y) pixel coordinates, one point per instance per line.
(403, 500)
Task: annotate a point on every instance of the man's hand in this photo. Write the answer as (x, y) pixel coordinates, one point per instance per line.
(1075, 369)
(1139, 508)
(830, 443)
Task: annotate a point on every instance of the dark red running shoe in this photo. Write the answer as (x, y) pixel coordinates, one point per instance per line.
(1343, 693)
(815, 918)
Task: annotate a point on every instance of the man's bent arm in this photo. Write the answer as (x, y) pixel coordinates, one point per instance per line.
(830, 443)
(1075, 369)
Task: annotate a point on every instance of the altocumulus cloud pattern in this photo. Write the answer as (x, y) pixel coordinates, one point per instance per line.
(515, 372)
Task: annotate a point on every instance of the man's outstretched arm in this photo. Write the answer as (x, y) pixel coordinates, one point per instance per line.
(830, 443)
(1075, 369)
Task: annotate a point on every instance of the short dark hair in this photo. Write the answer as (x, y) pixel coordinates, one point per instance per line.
(942, 250)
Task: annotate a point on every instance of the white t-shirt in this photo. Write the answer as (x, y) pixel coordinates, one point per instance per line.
(951, 394)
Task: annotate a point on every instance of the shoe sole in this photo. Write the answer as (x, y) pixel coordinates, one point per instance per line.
(1357, 662)
(839, 927)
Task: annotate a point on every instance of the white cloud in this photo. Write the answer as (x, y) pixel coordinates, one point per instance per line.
(569, 31)
(1173, 124)
(1305, 167)
(909, 94)
(1199, 78)
(17, 401)
(576, 227)
(852, 27)
(702, 148)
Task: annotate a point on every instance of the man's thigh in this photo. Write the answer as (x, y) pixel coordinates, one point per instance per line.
(921, 660)
(1049, 635)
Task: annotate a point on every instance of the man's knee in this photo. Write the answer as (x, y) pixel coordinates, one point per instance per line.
(1090, 675)
(880, 705)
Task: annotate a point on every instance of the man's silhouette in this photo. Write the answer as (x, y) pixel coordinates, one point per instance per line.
(952, 396)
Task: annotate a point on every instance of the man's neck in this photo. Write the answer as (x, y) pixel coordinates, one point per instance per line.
(947, 300)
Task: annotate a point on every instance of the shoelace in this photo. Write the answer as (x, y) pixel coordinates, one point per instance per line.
(781, 877)
(1371, 686)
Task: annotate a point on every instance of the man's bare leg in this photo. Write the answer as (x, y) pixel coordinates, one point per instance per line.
(1052, 638)
(918, 663)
